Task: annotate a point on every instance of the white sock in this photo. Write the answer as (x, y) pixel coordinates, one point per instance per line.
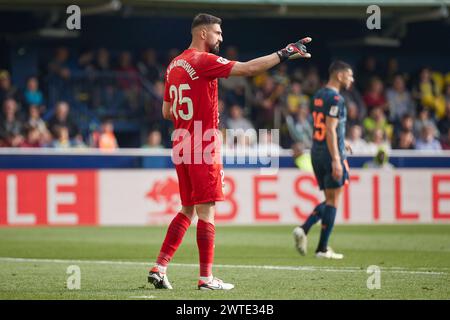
(206, 279)
(161, 268)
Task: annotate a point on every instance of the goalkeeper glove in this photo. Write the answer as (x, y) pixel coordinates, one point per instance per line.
(294, 50)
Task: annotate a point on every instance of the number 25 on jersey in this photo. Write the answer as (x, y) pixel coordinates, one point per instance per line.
(185, 112)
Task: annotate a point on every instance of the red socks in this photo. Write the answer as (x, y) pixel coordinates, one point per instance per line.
(174, 236)
(205, 241)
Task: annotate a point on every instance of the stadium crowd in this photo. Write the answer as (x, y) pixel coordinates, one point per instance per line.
(387, 107)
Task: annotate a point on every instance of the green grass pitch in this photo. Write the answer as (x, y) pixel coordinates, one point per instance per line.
(414, 262)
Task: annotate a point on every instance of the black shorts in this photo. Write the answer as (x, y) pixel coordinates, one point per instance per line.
(323, 172)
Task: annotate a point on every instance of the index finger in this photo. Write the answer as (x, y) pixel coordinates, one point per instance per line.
(305, 40)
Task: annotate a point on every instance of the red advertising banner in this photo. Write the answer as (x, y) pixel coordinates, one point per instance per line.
(30, 198)
(148, 197)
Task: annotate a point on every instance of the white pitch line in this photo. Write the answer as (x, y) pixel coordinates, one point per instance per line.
(286, 268)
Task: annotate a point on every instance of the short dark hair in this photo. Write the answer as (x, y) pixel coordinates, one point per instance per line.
(205, 19)
(337, 66)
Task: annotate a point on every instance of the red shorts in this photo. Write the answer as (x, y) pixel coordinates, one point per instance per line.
(200, 183)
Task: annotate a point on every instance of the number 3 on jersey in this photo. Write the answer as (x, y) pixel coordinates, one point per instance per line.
(176, 95)
(319, 126)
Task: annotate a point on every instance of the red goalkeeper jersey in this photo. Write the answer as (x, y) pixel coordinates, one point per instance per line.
(191, 88)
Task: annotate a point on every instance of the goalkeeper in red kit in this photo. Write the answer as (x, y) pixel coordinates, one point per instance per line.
(190, 101)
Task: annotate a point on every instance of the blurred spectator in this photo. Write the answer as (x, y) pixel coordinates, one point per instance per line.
(353, 118)
(428, 94)
(366, 71)
(15, 140)
(444, 123)
(301, 128)
(379, 141)
(62, 118)
(260, 79)
(392, 71)
(297, 75)
(60, 69)
(295, 98)
(107, 139)
(399, 99)
(94, 136)
(148, 66)
(280, 74)
(102, 60)
(33, 138)
(405, 140)
(154, 103)
(86, 60)
(266, 100)
(106, 97)
(7, 90)
(128, 79)
(78, 142)
(237, 120)
(237, 95)
(353, 97)
(380, 161)
(153, 140)
(35, 120)
(374, 96)
(357, 143)
(445, 140)
(377, 120)
(237, 89)
(46, 139)
(422, 121)
(302, 159)
(59, 66)
(311, 82)
(10, 125)
(32, 95)
(406, 124)
(427, 140)
(62, 139)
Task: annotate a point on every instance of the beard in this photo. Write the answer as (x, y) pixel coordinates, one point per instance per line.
(214, 48)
